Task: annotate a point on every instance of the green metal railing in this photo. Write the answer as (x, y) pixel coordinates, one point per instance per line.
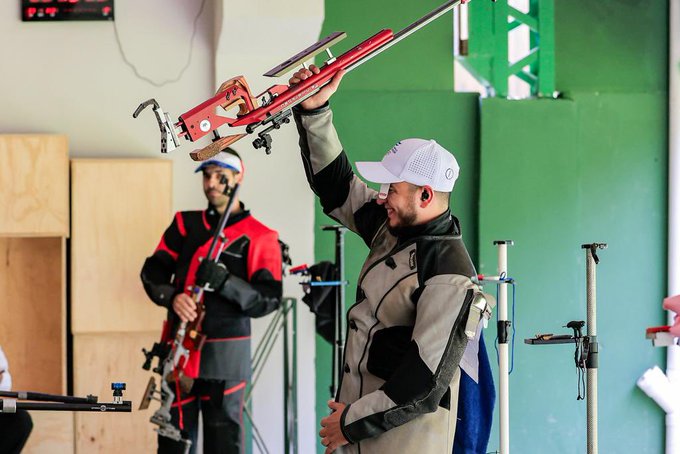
(487, 48)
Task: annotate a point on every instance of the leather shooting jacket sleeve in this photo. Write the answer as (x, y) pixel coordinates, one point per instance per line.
(159, 269)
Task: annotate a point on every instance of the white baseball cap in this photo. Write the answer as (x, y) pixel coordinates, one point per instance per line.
(416, 161)
(223, 159)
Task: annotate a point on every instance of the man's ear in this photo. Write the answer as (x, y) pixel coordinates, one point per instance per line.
(426, 196)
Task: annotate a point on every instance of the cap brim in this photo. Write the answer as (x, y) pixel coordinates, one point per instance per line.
(375, 172)
(205, 164)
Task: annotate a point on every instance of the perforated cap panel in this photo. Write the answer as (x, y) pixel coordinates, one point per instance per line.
(424, 162)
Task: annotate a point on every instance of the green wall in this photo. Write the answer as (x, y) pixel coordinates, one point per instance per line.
(557, 175)
(590, 167)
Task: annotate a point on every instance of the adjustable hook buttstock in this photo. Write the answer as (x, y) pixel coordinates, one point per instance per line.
(169, 138)
(144, 105)
(215, 147)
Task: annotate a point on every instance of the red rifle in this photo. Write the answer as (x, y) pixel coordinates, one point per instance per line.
(276, 102)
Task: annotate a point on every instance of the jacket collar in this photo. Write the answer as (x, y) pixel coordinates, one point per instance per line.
(213, 216)
(444, 224)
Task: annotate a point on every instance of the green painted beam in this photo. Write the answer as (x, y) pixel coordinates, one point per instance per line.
(546, 49)
(488, 59)
(516, 67)
(524, 18)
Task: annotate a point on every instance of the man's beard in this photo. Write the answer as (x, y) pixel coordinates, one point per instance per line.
(406, 221)
(216, 200)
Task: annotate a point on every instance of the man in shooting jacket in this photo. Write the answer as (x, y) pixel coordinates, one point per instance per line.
(246, 283)
(417, 309)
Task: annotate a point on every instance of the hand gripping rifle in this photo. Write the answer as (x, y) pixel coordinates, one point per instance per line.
(173, 353)
(275, 104)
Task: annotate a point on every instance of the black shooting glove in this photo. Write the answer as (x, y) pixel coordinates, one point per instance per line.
(211, 275)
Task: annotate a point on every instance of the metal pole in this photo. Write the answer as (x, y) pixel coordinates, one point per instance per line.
(592, 360)
(503, 329)
(339, 338)
(408, 31)
(294, 394)
(340, 319)
(286, 381)
(673, 351)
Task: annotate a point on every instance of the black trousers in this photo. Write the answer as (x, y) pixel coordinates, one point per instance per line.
(222, 423)
(14, 431)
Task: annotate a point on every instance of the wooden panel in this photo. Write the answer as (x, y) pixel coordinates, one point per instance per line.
(32, 312)
(52, 433)
(34, 185)
(119, 209)
(98, 360)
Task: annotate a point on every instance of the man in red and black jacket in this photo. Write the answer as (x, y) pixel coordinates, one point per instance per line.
(246, 283)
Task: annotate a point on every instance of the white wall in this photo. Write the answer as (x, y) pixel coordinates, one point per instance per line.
(70, 78)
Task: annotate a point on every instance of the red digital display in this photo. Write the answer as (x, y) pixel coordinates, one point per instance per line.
(60, 10)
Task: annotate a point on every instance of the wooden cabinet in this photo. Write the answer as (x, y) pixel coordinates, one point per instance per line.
(34, 186)
(34, 221)
(33, 308)
(98, 359)
(119, 210)
(52, 433)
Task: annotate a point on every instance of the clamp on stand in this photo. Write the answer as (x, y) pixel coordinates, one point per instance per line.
(330, 309)
(586, 355)
(581, 353)
(661, 336)
(503, 327)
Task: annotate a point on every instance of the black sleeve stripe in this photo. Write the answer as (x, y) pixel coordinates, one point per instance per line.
(332, 183)
(368, 219)
(172, 238)
(368, 427)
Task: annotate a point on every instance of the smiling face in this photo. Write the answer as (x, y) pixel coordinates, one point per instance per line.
(401, 205)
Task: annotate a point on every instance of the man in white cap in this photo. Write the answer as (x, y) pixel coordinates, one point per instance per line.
(417, 308)
(246, 283)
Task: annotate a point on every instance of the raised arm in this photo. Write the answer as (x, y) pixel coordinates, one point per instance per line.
(343, 196)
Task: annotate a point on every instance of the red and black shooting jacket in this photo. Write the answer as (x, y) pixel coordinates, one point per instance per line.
(253, 288)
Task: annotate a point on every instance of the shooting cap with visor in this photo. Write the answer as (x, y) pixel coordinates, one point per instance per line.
(416, 161)
(224, 159)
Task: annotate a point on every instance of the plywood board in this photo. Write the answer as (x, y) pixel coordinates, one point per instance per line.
(98, 360)
(52, 433)
(32, 312)
(34, 185)
(120, 209)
